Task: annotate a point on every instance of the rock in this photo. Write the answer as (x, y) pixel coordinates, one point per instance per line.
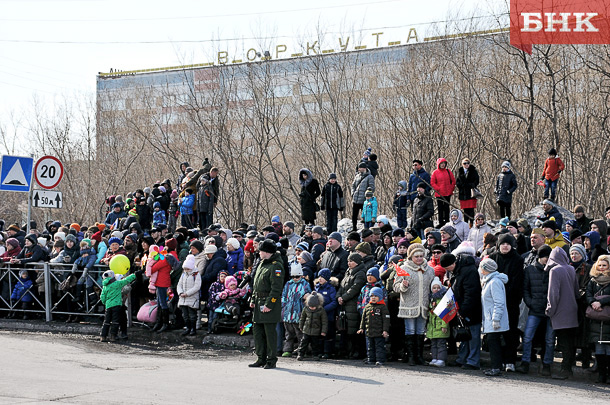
(532, 215)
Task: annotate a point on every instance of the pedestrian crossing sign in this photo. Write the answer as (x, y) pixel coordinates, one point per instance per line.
(16, 173)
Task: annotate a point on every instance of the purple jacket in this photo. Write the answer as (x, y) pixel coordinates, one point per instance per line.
(562, 306)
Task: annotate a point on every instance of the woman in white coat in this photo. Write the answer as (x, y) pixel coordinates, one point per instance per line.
(495, 314)
(188, 291)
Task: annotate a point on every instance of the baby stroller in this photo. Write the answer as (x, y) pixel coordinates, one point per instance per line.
(233, 313)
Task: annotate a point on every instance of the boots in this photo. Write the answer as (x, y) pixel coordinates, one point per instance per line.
(105, 330)
(410, 349)
(193, 331)
(602, 368)
(159, 321)
(188, 329)
(419, 353)
(78, 293)
(165, 325)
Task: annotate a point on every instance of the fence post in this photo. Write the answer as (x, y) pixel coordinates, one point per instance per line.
(48, 293)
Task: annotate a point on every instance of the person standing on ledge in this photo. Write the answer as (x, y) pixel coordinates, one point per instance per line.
(553, 166)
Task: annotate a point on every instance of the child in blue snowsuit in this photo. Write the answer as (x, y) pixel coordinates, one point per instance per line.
(22, 292)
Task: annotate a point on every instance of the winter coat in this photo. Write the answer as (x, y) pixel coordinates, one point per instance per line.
(86, 261)
(332, 197)
(435, 324)
(328, 291)
(34, 254)
(466, 286)
(112, 291)
(267, 290)
(493, 300)
(476, 234)
(145, 216)
(375, 319)
(113, 216)
(215, 288)
(210, 274)
(313, 323)
(506, 184)
(186, 206)
(511, 264)
(419, 176)
(365, 294)
(442, 180)
(205, 196)
(552, 213)
(318, 246)
(10, 254)
(465, 182)
(535, 289)
(349, 289)
(292, 300)
(361, 183)
(461, 228)
(21, 290)
(235, 261)
(102, 248)
(552, 168)
(401, 198)
(423, 211)
(415, 298)
(369, 210)
(189, 284)
(556, 241)
(163, 268)
(310, 191)
(159, 218)
(562, 305)
(598, 330)
(336, 262)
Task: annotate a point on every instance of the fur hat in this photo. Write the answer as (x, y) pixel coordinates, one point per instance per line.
(296, 269)
(267, 246)
(378, 292)
(364, 247)
(414, 248)
(313, 300)
(325, 274)
(507, 238)
(466, 247)
(189, 262)
(488, 265)
(230, 280)
(373, 271)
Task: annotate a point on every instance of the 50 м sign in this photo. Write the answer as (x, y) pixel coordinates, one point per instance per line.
(558, 22)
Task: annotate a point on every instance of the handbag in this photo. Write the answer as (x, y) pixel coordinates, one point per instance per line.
(341, 321)
(148, 312)
(475, 193)
(68, 283)
(603, 315)
(316, 206)
(460, 332)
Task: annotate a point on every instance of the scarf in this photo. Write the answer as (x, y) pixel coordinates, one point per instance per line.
(603, 279)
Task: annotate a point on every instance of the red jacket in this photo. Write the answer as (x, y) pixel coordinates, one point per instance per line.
(439, 271)
(163, 268)
(442, 181)
(552, 167)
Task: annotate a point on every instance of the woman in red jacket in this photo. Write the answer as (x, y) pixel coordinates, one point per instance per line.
(443, 184)
(163, 268)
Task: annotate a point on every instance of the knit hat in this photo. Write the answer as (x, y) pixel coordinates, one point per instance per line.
(364, 247)
(296, 269)
(70, 237)
(580, 249)
(171, 244)
(157, 204)
(273, 237)
(97, 236)
(134, 238)
(506, 163)
(308, 227)
(233, 242)
(575, 233)
(325, 274)
(593, 237)
(398, 232)
(355, 257)
(162, 189)
(507, 238)
(377, 292)
(421, 185)
(545, 251)
(550, 224)
(268, 246)
(108, 274)
(395, 259)
(403, 243)
(572, 223)
(116, 234)
(189, 262)
(362, 165)
(174, 194)
(230, 280)
(373, 271)
(42, 241)
(62, 235)
(366, 233)
(449, 229)
(447, 260)
(504, 221)
(197, 245)
(488, 265)
(115, 240)
(146, 190)
(415, 248)
(436, 281)
(13, 242)
(302, 245)
(275, 218)
(336, 236)
(132, 212)
(289, 224)
(522, 222)
(332, 176)
(313, 300)
(210, 249)
(479, 215)
(368, 193)
(249, 246)
(353, 236)
(318, 229)
(86, 240)
(549, 202)
(305, 255)
(513, 223)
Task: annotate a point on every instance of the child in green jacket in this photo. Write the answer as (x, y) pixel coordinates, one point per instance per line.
(438, 330)
(112, 299)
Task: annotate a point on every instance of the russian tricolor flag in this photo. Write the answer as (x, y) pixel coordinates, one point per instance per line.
(447, 307)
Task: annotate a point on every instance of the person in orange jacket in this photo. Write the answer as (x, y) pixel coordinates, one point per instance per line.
(553, 166)
(443, 184)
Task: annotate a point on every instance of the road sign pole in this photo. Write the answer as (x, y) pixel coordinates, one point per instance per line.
(29, 211)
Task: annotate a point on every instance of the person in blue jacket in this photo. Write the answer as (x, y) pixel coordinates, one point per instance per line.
(116, 213)
(325, 287)
(22, 292)
(186, 204)
(419, 175)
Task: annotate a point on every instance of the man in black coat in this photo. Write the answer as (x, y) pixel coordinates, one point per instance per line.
(466, 286)
(423, 210)
(335, 257)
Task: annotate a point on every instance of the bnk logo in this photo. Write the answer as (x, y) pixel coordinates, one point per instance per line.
(558, 22)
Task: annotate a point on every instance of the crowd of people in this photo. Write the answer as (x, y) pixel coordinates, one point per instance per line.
(368, 294)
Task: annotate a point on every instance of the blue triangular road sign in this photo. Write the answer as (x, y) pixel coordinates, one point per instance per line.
(16, 173)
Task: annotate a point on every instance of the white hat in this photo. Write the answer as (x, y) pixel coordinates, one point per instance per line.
(117, 234)
(61, 235)
(436, 281)
(296, 269)
(233, 242)
(42, 241)
(210, 249)
(189, 262)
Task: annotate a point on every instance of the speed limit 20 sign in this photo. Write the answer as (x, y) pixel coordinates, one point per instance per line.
(48, 172)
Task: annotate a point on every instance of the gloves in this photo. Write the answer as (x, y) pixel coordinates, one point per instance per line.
(139, 273)
(74, 268)
(496, 325)
(84, 276)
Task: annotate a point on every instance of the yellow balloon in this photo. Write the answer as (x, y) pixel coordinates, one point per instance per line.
(119, 264)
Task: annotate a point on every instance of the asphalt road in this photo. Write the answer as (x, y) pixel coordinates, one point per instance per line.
(40, 368)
